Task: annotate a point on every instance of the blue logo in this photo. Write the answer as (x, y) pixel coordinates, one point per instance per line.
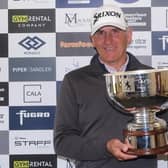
(126, 1)
(31, 43)
(159, 43)
(28, 117)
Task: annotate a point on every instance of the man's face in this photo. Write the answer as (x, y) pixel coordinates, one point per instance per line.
(111, 44)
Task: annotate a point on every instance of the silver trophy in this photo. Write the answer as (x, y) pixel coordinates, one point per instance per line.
(142, 93)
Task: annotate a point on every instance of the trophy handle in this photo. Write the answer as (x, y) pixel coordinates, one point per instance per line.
(164, 106)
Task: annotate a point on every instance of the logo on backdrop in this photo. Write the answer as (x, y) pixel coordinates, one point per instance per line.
(34, 117)
(38, 1)
(29, 4)
(25, 45)
(4, 94)
(138, 18)
(32, 69)
(31, 20)
(4, 70)
(33, 142)
(78, 3)
(32, 93)
(4, 118)
(159, 43)
(31, 43)
(74, 44)
(74, 19)
(126, 1)
(28, 161)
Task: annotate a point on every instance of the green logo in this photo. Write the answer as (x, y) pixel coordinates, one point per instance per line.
(20, 18)
(21, 164)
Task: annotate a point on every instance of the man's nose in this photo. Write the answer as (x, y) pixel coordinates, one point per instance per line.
(108, 38)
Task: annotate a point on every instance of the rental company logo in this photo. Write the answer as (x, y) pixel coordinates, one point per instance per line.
(29, 20)
(35, 161)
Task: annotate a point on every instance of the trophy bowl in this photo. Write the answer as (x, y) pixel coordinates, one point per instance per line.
(143, 93)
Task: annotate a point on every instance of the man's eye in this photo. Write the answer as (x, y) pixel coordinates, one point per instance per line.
(115, 30)
(100, 32)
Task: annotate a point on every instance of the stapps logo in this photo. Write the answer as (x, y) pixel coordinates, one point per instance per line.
(31, 43)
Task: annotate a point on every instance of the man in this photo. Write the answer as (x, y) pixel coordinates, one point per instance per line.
(88, 128)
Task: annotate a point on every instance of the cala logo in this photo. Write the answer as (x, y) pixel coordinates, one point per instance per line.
(126, 1)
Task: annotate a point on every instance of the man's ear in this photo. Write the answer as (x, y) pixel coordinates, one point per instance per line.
(92, 40)
(129, 35)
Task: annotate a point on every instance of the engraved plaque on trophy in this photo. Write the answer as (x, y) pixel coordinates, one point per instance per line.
(143, 93)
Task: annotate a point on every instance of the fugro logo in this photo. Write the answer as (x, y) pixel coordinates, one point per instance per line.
(34, 117)
(126, 1)
(24, 114)
(31, 43)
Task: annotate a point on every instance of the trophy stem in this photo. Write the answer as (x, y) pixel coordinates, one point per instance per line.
(143, 116)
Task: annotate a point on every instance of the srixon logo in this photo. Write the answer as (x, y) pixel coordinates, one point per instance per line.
(126, 1)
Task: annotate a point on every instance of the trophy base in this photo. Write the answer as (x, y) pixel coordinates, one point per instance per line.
(141, 152)
(147, 142)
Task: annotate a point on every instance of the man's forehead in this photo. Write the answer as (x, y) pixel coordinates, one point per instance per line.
(109, 28)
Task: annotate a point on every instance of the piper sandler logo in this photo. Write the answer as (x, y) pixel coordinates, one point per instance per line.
(21, 164)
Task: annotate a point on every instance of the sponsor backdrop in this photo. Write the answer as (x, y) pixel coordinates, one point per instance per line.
(42, 40)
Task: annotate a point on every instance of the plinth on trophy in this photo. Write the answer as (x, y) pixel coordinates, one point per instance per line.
(143, 93)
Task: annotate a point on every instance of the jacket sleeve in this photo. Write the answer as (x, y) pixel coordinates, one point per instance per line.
(68, 141)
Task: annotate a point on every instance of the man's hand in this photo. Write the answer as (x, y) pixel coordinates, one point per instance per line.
(119, 149)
